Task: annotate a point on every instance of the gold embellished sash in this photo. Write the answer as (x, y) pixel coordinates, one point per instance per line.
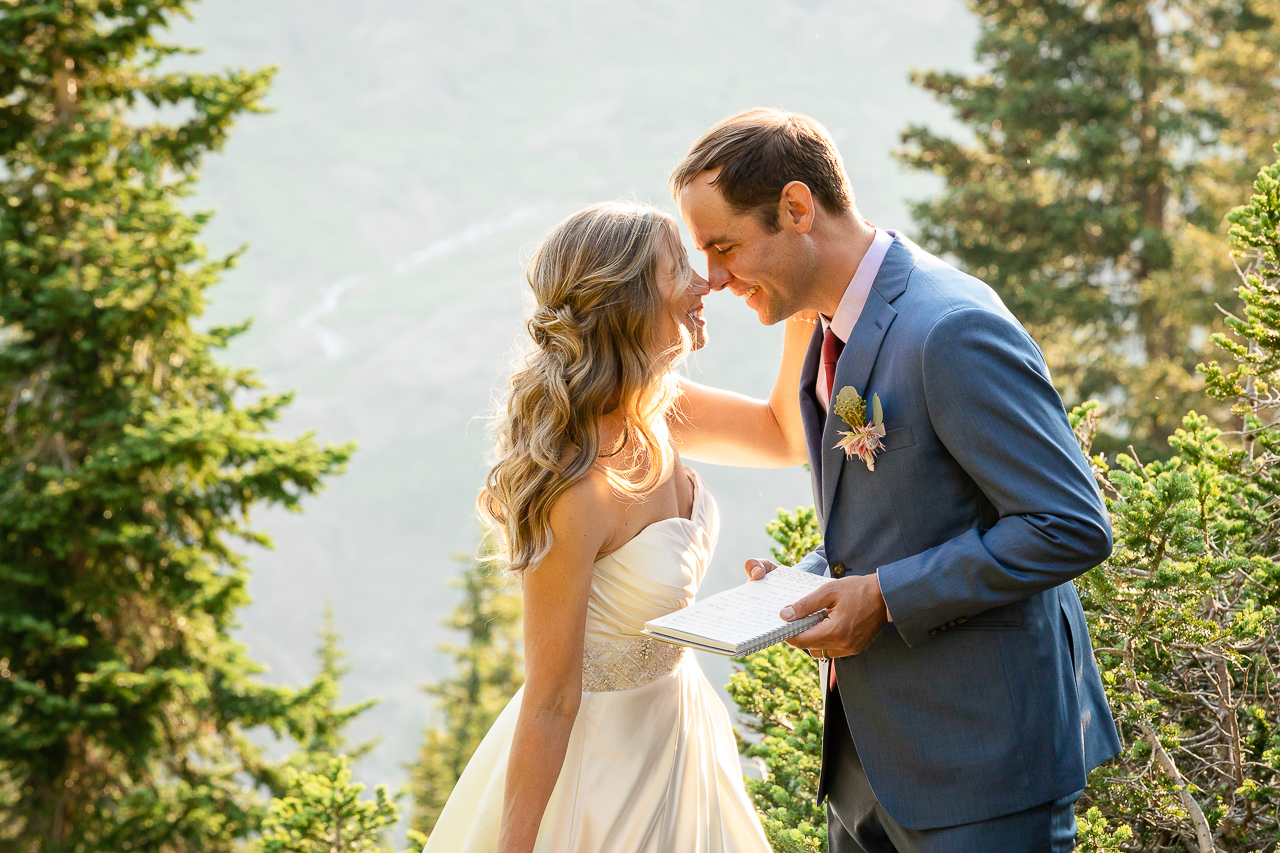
(627, 664)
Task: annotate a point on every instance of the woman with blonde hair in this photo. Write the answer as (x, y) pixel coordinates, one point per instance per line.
(616, 742)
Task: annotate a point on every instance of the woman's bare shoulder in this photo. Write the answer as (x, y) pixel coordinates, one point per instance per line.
(590, 505)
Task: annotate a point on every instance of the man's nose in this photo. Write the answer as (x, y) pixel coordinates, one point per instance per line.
(717, 275)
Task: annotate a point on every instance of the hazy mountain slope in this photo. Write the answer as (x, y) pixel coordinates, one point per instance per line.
(417, 151)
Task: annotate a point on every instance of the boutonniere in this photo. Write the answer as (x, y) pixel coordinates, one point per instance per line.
(863, 436)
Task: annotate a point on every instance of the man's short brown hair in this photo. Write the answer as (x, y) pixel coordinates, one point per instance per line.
(760, 151)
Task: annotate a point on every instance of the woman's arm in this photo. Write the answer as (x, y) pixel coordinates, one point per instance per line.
(724, 428)
(555, 614)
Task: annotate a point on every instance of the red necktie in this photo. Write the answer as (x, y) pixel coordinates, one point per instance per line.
(831, 349)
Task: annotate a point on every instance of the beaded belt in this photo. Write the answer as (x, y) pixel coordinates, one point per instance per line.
(627, 664)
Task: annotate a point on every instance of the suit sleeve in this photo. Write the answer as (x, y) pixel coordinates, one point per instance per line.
(992, 405)
(815, 562)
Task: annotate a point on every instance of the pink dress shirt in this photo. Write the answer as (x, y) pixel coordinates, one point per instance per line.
(855, 296)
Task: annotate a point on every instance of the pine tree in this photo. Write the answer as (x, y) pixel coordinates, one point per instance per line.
(778, 693)
(489, 672)
(319, 728)
(1109, 139)
(1186, 613)
(324, 813)
(318, 809)
(130, 458)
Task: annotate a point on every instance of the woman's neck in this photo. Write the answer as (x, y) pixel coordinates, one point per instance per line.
(613, 433)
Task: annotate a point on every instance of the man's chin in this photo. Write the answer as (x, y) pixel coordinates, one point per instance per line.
(767, 313)
(766, 317)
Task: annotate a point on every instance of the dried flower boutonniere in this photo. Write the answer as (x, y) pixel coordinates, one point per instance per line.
(863, 437)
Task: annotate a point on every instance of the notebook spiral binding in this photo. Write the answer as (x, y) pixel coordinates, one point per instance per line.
(787, 631)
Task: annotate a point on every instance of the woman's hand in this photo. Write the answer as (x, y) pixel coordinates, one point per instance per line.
(757, 569)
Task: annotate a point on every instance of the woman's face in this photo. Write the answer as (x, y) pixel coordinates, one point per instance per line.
(681, 326)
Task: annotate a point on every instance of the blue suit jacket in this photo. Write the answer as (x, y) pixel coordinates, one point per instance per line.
(982, 697)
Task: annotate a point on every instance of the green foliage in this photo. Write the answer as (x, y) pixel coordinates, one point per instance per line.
(318, 729)
(323, 813)
(130, 459)
(1257, 352)
(1108, 140)
(1184, 621)
(318, 808)
(796, 533)
(778, 691)
(490, 670)
(1185, 613)
(1095, 835)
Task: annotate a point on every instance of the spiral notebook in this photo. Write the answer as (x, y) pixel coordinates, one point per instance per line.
(742, 620)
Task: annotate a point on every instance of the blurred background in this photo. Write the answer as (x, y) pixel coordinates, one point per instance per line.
(416, 153)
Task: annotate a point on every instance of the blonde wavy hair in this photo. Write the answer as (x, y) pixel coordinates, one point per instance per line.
(595, 281)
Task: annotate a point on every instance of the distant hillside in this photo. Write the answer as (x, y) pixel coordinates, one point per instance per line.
(416, 152)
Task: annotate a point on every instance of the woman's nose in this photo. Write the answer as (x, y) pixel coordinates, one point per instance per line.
(701, 286)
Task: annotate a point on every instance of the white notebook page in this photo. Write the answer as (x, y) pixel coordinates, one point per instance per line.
(740, 615)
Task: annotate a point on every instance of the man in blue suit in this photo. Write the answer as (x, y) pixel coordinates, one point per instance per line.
(963, 703)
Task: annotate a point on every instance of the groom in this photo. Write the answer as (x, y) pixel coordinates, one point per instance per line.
(965, 707)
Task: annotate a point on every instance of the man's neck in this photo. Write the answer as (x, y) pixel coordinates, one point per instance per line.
(844, 242)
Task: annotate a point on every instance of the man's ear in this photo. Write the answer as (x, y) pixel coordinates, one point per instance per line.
(796, 207)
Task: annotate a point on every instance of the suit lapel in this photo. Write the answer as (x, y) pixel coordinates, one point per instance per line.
(811, 413)
(859, 357)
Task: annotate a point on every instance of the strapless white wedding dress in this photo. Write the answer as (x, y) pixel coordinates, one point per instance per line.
(652, 765)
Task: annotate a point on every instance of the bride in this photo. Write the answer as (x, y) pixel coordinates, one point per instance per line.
(616, 742)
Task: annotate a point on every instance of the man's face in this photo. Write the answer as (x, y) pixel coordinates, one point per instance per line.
(768, 270)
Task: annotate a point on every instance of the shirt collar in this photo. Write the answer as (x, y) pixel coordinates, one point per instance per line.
(855, 294)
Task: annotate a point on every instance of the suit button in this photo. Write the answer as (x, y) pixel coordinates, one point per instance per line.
(951, 624)
(837, 570)
(933, 632)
